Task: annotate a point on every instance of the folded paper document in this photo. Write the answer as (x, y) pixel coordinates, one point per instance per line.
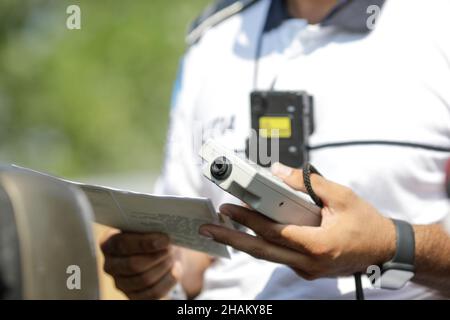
(178, 217)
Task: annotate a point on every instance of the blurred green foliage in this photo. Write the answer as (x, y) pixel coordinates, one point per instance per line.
(89, 101)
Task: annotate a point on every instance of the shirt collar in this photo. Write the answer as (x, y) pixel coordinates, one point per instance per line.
(350, 15)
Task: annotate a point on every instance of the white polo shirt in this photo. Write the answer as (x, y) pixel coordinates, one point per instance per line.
(370, 89)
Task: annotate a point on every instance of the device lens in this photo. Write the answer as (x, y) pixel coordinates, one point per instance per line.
(221, 168)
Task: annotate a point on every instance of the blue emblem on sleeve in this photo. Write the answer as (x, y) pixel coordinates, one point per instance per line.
(177, 86)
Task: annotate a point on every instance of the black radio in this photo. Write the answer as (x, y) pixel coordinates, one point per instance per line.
(282, 122)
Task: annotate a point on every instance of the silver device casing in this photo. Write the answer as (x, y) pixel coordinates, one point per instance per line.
(262, 191)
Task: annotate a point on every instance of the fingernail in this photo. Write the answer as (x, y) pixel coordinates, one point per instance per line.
(225, 210)
(206, 233)
(177, 270)
(281, 170)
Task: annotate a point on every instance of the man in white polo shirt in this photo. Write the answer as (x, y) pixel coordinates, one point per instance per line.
(382, 128)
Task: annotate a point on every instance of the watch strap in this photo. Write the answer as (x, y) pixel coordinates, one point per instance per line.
(400, 269)
(406, 244)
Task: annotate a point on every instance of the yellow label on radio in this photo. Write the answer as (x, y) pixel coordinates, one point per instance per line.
(275, 127)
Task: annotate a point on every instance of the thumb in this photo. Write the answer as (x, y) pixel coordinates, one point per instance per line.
(294, 178)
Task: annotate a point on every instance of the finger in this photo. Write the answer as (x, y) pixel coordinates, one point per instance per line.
(132, 265)
(127, 244)
(326, 190)
(292, 177)
(256, 247)
(260, 224)
(108, 233)
(245, 205)
(303, 274)
(247, 217)
(299, 238)
(160, 289)
(146, 279)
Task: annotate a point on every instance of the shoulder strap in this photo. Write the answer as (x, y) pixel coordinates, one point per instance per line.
(219, 11)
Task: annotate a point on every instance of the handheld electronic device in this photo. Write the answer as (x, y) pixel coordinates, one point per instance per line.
(283, 117)
(257, 187)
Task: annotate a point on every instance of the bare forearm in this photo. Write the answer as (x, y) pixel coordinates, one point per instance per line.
(432, 257)
(194, 266)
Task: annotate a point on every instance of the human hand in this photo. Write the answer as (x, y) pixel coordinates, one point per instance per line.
(144, 266)
(352, 236)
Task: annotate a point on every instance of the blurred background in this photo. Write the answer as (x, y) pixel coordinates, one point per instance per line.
(90, 104)
(91, 101)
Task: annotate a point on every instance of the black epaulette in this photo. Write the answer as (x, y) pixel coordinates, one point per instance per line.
(214, 14)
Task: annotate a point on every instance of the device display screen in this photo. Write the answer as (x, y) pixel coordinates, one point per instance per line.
(275, 127)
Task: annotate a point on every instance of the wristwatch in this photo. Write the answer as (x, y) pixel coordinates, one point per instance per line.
(400, 269)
